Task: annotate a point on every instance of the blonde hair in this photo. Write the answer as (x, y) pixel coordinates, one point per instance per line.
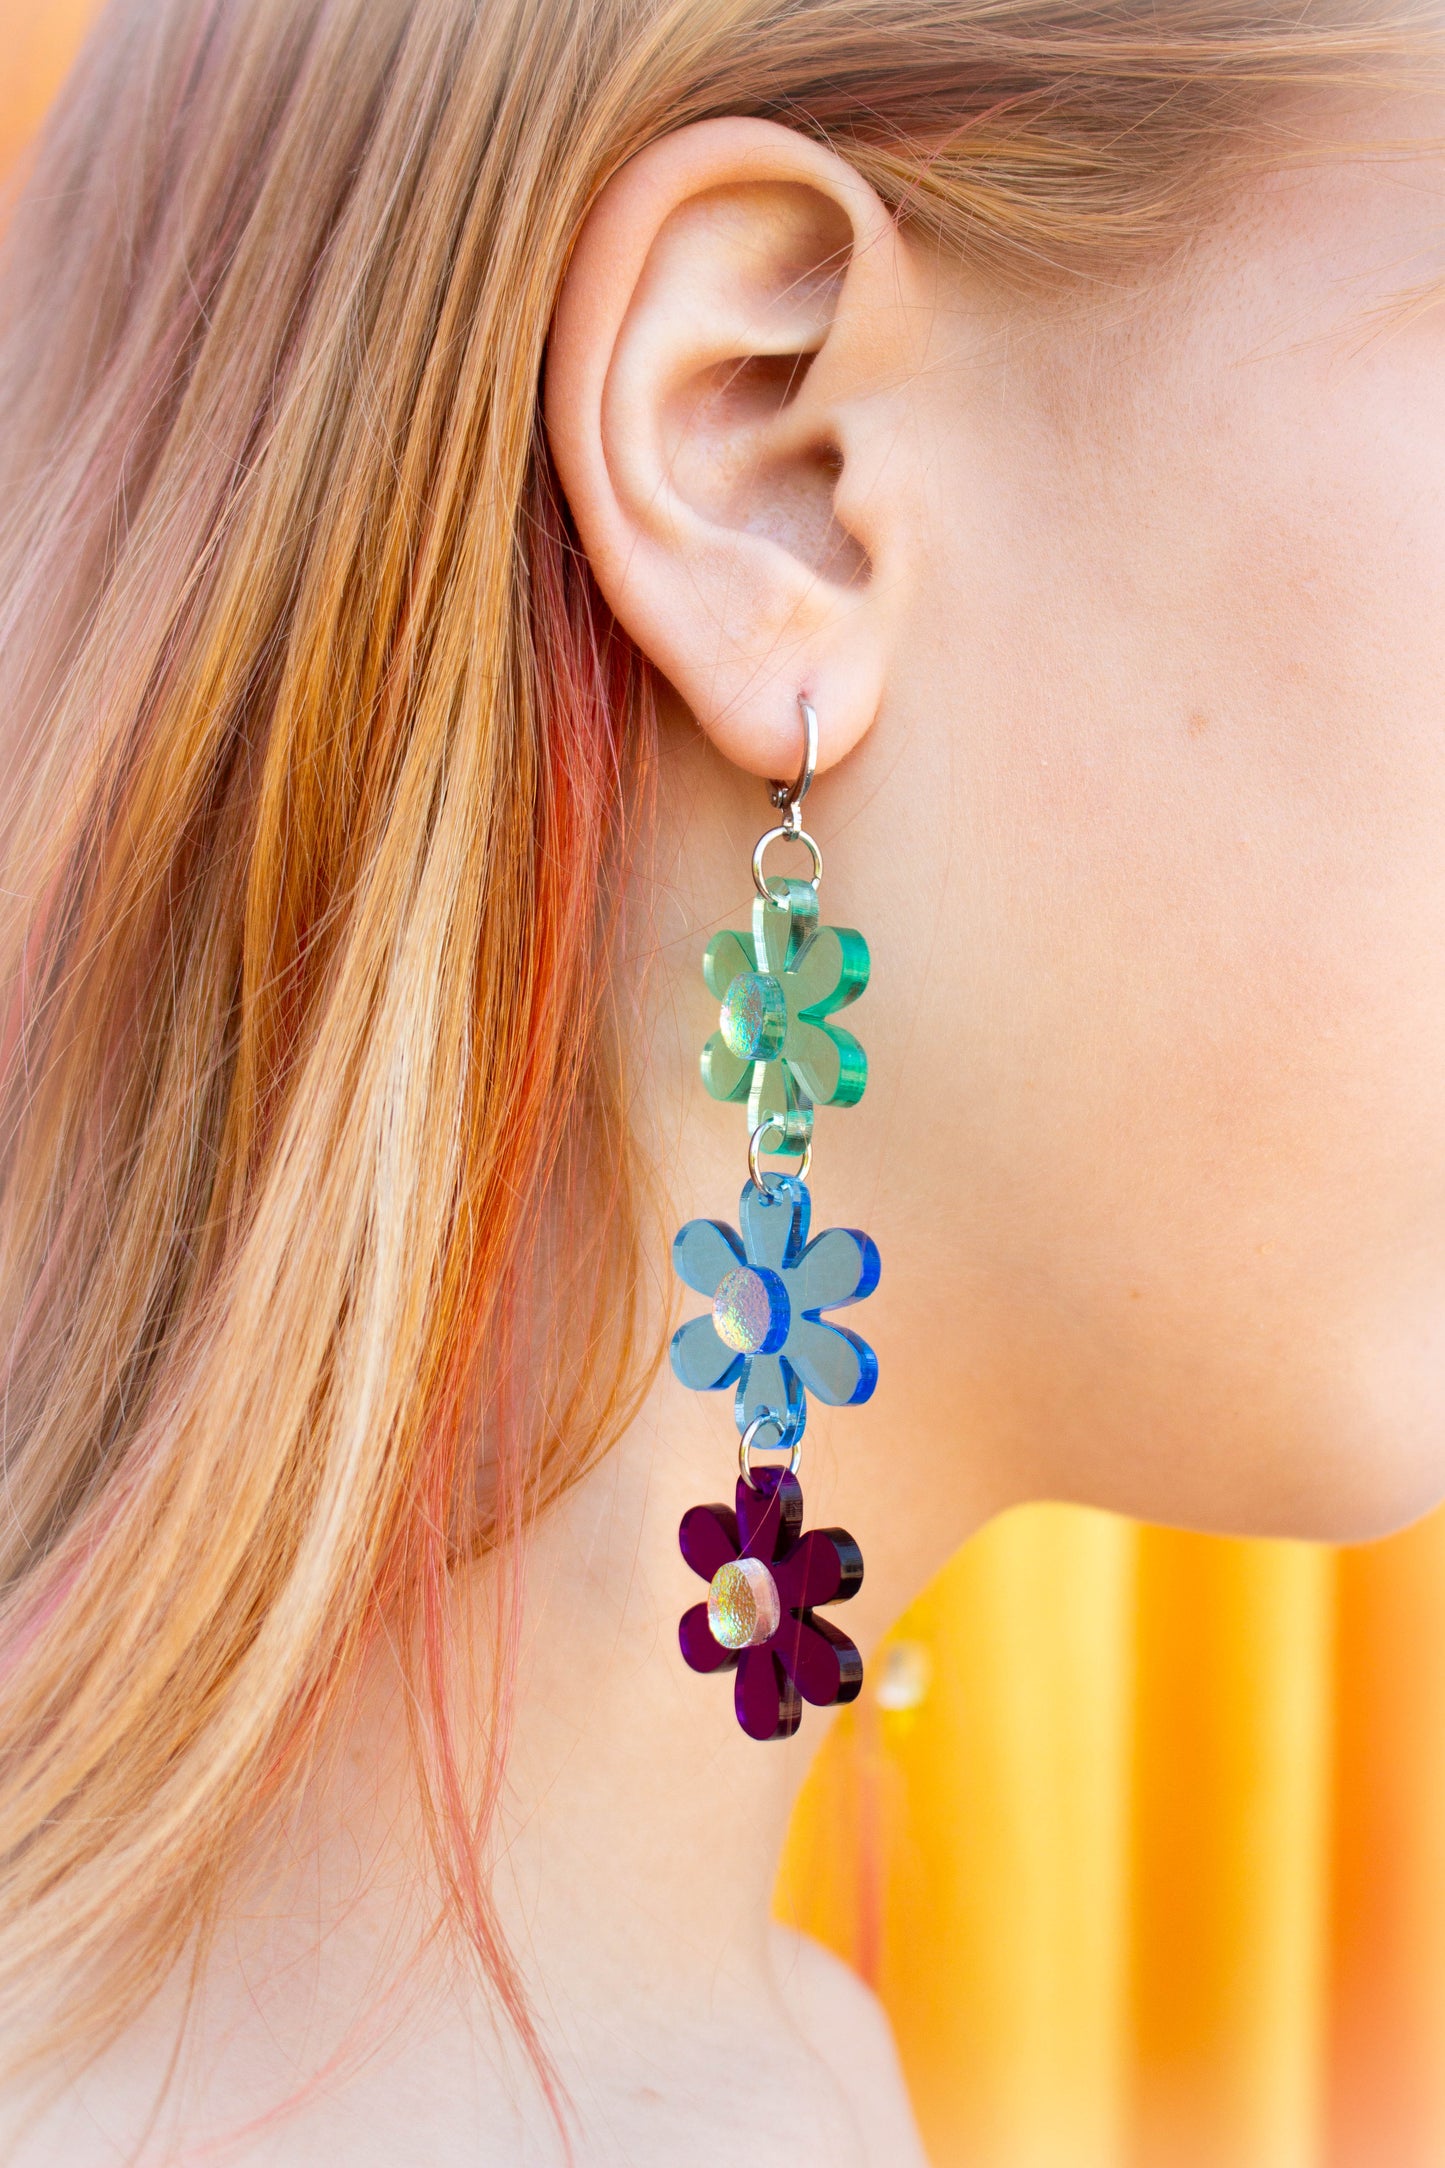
(323, 763)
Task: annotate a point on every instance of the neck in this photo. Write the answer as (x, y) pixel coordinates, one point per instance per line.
(644, 1828)
(639, 1831)
(638, 1840)
(637, 1846)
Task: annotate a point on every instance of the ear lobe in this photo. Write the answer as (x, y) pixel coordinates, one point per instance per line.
(723, 367)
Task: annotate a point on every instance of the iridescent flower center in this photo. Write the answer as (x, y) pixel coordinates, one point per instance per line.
(743, 1609)
(753, 1018)
(750, 1310)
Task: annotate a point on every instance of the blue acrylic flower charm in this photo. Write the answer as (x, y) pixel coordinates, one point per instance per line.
(767, 1287)
(775, 1044)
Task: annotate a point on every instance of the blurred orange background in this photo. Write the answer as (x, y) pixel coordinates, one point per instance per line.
(1139, 1835)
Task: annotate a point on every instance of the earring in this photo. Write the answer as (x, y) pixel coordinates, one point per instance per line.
(778, 1048)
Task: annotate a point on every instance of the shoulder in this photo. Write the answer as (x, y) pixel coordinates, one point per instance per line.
(844, 2024)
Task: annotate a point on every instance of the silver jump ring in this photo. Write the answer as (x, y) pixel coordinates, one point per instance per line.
(745, 1443)
(788, 797)
(755, 1146)
(785, 835)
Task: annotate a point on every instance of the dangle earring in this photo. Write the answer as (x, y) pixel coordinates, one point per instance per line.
(778, 1048)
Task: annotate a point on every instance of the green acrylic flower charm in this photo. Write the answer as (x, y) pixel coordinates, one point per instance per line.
(774, 1045)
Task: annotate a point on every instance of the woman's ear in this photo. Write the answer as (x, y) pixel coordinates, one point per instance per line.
(734, 336)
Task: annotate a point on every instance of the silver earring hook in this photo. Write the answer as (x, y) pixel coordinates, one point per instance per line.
(788, 797)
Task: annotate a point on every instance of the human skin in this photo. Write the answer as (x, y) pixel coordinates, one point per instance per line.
(1121, 613)
(1135, 785)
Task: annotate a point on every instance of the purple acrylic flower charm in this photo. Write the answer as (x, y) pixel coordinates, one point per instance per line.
(764, 1576)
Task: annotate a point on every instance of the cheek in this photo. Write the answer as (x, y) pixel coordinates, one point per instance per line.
(1180, 978)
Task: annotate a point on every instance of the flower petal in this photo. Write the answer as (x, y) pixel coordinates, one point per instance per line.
(769, 1515)
(766, 1704)
(725, 1074)
(708, 1538)
(826, 1567)
(781, 928)
(768, 1382)
(814, 1060)
(829, 971)
(703, 1252)
(700, 1359)
(776, 1102)
(835, 1365)
(830, 1066)
(822, 1663)
(839, 1266)
(725, 958)
(699, 1650)
(774, 1222)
